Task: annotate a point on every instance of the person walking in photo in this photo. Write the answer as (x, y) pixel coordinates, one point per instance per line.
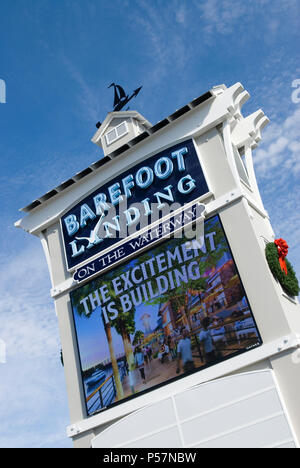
(139, 362)
(144, 350)
(149, 353)
(171, 345)
(184, 353)
(163, 354)
(205, 337)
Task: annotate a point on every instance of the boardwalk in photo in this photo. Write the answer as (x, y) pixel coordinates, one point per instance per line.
(155, 373)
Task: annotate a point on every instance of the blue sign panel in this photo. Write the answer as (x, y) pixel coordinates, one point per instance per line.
(132, 200)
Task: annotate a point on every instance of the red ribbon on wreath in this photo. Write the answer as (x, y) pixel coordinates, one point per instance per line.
(282, 249)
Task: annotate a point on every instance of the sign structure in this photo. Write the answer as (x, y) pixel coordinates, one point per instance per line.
(135, 245)
(153, 298)
(171, 311)
(132, 201)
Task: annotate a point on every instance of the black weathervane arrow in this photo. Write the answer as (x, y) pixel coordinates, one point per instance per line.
(121, 98)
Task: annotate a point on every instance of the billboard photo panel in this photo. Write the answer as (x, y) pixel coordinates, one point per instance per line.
(173, 310)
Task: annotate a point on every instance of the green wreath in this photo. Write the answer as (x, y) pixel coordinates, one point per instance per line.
(288, 282)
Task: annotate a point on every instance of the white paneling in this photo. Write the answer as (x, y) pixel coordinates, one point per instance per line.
(141, 423)
(238, 386)
(227, 419)
(243, 410)
(168, 438)
(259, 435)
(287, 445)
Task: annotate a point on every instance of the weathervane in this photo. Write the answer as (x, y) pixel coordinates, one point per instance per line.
(120, 98)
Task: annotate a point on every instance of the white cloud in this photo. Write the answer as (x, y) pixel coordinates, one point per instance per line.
(165, 31)
(24, 299)
(280, 148)
(181, 15)
(32, 386)
(88, 97)
(33, 408)
(227, 17)
(221, 17)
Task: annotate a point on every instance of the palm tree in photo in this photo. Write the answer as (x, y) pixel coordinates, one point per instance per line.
(138, 337)
(77, 296)
(114, 362)
(124, 324)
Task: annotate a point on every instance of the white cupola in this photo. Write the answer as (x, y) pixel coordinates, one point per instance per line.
(118, 129)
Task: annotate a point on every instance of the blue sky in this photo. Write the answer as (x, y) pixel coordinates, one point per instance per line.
(57, 59)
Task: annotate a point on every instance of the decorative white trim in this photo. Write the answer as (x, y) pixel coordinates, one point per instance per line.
(248, 131)
(229, 152)
(252, 176)
(224, 201)
(246, 185)
(44, 243)
(256, 207)
(63, 287)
